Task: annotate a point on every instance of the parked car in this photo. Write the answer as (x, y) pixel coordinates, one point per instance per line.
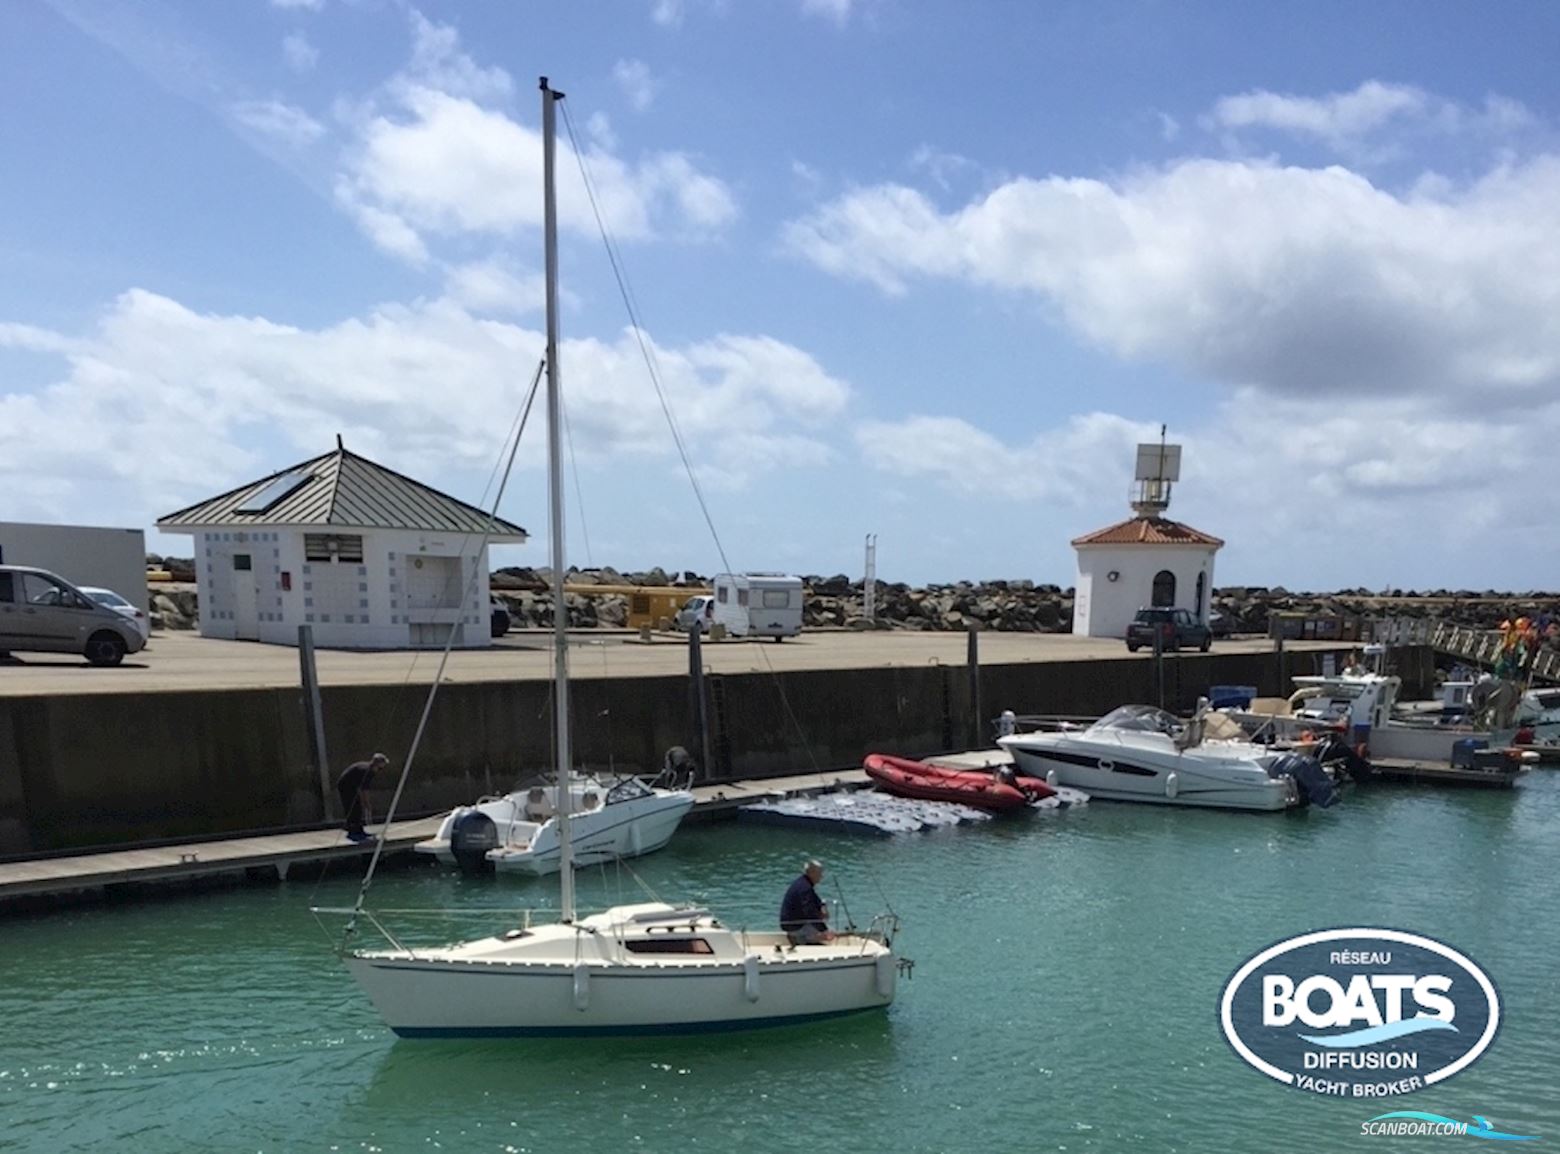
(500, 616)
(44, 613)
(1176, 629)
(696, 613)
(120, 606)
(1222, 624)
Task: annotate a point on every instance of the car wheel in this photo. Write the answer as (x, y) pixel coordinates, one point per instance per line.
(1207, 643)
(105, 648)
(1131, 648)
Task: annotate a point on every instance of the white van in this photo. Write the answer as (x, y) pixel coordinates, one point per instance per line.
(759, 604)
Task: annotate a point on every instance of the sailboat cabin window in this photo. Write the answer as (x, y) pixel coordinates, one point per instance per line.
(344, 547)
(669, 946)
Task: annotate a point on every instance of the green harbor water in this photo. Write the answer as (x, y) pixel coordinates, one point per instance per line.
(1064, 997)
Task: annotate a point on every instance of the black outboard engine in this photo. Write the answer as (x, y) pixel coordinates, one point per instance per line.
(1309, 776)
(1333, 749)
(472, 835)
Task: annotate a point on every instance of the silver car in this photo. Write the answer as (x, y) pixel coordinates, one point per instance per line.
(44, 613)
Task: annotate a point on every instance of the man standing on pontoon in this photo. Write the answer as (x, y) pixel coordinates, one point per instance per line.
(356, 778)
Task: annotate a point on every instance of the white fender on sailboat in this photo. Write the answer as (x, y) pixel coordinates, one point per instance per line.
(581, 987)
(750, 977)
(1172, 785)
(635, 839)
(1050, 778)
(884, 970)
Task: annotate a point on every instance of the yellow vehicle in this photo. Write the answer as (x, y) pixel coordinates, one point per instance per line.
(652, 605)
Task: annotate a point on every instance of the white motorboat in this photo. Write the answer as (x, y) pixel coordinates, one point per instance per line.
(650, 968)
(518, 833)
(1140, 753)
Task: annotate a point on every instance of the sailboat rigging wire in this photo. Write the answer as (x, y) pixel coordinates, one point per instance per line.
(652, 366)
(438, 677)
(579, 495)
(645, 350)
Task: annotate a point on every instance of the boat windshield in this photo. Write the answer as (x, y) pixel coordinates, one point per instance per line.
(1141, 719)
(627, 790)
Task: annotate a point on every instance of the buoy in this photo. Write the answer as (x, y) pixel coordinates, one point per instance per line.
(581, 987)
(1172, 785)
(1050, 778)
(750, 977)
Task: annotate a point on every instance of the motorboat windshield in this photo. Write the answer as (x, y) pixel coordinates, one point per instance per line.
(1141, 719)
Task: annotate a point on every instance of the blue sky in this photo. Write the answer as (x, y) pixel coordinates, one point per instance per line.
(925, 270)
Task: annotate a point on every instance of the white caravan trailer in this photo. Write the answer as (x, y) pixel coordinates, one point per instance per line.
(759, 604)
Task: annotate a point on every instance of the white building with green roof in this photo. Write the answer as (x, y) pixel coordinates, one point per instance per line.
(371, 559)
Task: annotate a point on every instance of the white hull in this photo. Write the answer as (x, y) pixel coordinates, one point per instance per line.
(559, 980)
(600, 829)
(1130, 755)
(629, 829)
(1192, 788)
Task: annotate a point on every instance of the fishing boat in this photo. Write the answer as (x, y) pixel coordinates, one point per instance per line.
(634, 969)
(977, 788)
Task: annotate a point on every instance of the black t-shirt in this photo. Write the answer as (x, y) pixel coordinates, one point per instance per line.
(356, 777)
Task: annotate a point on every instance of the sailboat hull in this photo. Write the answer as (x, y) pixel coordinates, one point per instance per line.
(440, 1000)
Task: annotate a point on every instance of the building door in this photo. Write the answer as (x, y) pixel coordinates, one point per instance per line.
(1164, 589)
(246, 599)
(1199, 611)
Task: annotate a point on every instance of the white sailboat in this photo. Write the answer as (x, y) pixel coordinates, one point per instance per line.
(648, 968)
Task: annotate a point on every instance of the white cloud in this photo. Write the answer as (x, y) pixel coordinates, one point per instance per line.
(279, 121)
(1343, 120)
(424, 387)
(489, 287)
(1061, 465)
(835, 10)
(638, 86)
(451, 167)
(667, 13)
(941, 166)
(1302, 282)
(437, 62)
(1342, 494)
(301, 56)
(312, 5)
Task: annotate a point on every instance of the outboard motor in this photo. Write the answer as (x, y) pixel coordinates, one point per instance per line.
(472, 835)
(1309, 777)
(1333, 749)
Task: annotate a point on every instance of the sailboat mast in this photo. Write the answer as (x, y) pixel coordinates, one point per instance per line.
(550, 100)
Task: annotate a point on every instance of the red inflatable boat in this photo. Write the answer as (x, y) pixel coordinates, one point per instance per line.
(975, 787)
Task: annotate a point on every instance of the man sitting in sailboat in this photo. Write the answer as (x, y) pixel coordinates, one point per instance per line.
(803, 916)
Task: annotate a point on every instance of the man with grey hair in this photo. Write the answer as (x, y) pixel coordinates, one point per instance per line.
(803, 916)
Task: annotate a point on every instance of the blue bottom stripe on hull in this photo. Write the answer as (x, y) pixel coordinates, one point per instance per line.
(721, 1027)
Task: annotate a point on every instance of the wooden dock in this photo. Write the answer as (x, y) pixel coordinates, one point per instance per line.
(271, 856)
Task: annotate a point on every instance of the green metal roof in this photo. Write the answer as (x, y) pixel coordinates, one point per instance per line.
(342, 490)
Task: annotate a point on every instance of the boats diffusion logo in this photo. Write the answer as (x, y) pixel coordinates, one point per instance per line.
(1360, 1013)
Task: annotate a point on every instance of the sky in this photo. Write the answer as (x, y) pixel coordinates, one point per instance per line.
(924, 270)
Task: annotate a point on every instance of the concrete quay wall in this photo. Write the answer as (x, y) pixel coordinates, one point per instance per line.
(87, 770)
